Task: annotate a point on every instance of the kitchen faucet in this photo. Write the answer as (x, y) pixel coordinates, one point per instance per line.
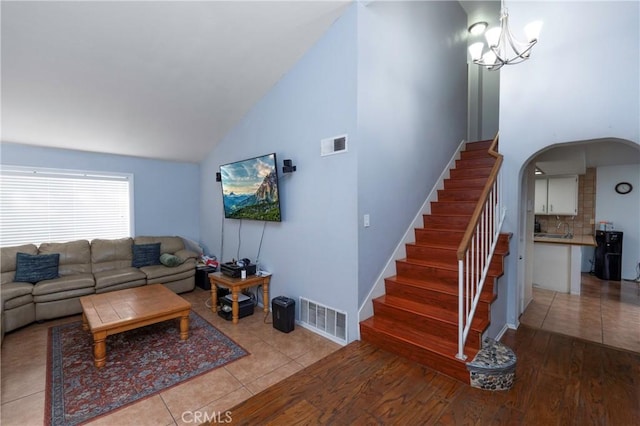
(566, 229)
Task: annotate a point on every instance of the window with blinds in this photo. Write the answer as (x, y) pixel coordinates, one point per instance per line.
(47, 205)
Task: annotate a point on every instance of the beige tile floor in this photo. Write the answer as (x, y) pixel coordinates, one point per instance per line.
(273, 356)
(606, 312)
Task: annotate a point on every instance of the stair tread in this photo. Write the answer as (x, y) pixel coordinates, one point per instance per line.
(419, 338)
(430, 311)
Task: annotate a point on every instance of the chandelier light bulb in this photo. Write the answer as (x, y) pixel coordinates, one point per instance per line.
(493, 36)
(532, 30)
(475, 50)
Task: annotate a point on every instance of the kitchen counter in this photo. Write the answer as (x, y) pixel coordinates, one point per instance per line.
(577, 240)
(557, 262)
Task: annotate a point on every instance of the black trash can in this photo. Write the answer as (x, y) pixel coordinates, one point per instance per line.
(284, 313)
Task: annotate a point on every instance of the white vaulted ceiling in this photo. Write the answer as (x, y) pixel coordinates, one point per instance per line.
(158, 79)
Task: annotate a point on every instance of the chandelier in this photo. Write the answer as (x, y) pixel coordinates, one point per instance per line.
(504, 49)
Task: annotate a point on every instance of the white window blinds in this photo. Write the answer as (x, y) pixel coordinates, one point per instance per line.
(46, 205)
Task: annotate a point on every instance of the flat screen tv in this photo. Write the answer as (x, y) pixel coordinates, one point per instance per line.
(250, 189)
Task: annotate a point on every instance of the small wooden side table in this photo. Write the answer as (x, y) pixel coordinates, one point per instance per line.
(236, 285)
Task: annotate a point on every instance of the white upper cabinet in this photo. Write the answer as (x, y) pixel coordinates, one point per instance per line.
(557, 195)
(541, 196)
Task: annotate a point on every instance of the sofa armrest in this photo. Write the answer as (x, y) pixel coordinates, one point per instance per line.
(185, 254)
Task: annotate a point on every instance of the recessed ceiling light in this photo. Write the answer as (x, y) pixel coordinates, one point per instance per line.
(478, 28)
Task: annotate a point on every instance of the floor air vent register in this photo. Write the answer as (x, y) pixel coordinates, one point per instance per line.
(327, 321)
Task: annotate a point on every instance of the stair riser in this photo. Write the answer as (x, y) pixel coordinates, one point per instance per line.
(453, 207)
(465, 163)
(435, 298)
(446, 222)
(435, 254)
(440, 237)
(418, 272)
(479, 145)
(459, 194)
(466, 183)
(450, 367)
(482, 172)
(452, 238)
(442, 255)
(428, 325)
(474, 153)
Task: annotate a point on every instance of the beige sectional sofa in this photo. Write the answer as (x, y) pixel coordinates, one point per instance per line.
(90, 267)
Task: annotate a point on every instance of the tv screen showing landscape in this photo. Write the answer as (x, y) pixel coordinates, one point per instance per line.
(250, 189)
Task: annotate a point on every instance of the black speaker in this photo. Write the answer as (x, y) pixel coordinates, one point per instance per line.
(284, 314)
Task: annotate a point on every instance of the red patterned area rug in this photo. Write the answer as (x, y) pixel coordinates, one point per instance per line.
(140, 363)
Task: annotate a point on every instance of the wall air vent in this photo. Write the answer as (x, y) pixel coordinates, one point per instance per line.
(326, 321)
(333, 145)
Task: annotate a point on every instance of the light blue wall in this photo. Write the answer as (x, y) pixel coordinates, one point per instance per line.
(576, 86)
(166, 193)
(371, 76)
(412, 114)
(313, 251)
(622, 210)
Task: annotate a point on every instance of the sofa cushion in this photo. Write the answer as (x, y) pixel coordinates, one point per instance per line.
(157, 272)
(75, 256)
(111, 254)
(170, 260)
(8, 260)
(107, 279)
(63, 297)
(31, 268)
(64, 284)
(146, 255)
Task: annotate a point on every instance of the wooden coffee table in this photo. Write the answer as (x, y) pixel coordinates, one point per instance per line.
(110, 313)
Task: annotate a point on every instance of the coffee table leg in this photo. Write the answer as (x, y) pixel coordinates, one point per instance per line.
(184, 326)
(99, 349)
(85, 323)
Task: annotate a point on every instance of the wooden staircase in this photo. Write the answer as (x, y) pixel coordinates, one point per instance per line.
(418, 316)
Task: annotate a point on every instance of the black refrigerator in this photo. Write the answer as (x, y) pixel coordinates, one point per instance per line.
(608, 255)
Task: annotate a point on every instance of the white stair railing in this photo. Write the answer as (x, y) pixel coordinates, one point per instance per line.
(477, 247)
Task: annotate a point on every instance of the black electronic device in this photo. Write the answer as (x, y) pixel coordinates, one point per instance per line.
(284, 313)
(608, 255)
(245, 307)
(234, 269)
(202, 276)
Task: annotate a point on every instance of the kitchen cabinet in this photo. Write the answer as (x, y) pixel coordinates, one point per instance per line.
(557, 195)
(557, 267)
(541, 196)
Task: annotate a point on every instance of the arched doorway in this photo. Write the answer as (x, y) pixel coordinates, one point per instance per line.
(599, 310)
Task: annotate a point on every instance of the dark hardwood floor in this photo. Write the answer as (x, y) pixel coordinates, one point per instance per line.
(560, 380)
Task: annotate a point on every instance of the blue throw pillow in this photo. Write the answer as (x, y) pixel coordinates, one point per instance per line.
(146, 255)
(31, 268)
